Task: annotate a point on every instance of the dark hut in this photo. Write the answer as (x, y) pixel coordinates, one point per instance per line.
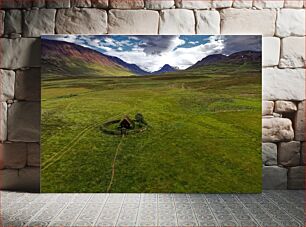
(126, 123)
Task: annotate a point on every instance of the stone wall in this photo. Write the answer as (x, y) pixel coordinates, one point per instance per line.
(281, 22)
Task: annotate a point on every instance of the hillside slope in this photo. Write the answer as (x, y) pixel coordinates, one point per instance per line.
(61, 58)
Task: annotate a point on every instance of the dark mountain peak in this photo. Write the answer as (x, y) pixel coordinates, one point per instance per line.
(165, 69)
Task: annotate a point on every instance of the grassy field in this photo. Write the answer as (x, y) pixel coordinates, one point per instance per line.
(204, 132)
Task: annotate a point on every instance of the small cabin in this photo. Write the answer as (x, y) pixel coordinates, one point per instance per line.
(126, 123)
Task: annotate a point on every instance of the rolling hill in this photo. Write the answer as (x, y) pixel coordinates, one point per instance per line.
(63, 58)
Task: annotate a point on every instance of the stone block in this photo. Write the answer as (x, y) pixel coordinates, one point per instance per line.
(293, 3)
(283, 84)
(56, 4)
(192, 4)
(222, 3)
(13, 21)
(293, 52)
(81, 21)
(25, 180)
(303, 157)
(274, 177)
(39, 22)
(271, 51)
(290, 22)
(178, 21)
(133, 22)
(277, 129)
(15, 4)
(2, 15)
(267, 107)
(296, 176)
(38, 3)
(13, 155)
(126, 4)
(24, 122)
(299, 122)
(289, 154)
(269, 154)
(20, 53)
(33, 158)
(27, 85)
(263, 4)
(80, 3)
(240, 4)
(7, 81)
(208, 22)
(99, 3)
(248, 21)
(3, 121)
(285, 107)
(159, 4)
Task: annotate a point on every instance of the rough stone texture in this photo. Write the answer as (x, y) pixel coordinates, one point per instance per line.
(299, 122)
(20, 53)
(159, 4)
(27, 85)
(293, 3)
(13, 155)
(261, 4)
(285, 107)
(2, 15)
(80, 3)
(26, 180)
(248, 21)
(39, 3)
(81, 21)
(222, 3)
(56, 4)
(271, 51)
(13, 21)
(3, 121)
(7, 80)
(208, 22)
(283, 84)
(296, 177)
(33, 158)
(100, 3)
(178, 21)
(192, 4)
(277, 129)
(15, 4)
(267, 107)
(303, 158)
(133, 22)
(242, 4)
(289, 154)
(274, 177)
(126, 4)
(24, 122)
(269, 154)
(293, 52)
(290, 22)
(39, 22)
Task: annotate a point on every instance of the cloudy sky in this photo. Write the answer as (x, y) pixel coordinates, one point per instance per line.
(152, 52)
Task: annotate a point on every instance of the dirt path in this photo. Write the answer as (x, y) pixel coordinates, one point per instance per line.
(67, 148)
(113, 165)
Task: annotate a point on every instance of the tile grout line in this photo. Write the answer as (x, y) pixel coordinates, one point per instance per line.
(81, 210)
(101, 211)
(194, 215)
(213, 214)
(138, 210)
(119, 213)
(175, 209)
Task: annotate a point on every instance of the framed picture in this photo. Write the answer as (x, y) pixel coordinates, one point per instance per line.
(157, 113)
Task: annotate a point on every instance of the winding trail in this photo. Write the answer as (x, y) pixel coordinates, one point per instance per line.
(67, 148)
(113, 164)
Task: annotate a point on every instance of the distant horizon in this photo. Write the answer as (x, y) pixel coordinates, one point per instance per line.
(152, 52)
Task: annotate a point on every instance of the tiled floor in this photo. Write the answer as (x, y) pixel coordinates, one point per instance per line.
(271, 208)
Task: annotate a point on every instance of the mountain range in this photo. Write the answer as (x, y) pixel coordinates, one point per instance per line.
(63, 58)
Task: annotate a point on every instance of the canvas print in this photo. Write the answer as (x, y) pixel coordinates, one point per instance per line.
(160, 114)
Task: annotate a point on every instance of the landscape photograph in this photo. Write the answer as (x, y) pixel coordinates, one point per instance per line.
(151, 114)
